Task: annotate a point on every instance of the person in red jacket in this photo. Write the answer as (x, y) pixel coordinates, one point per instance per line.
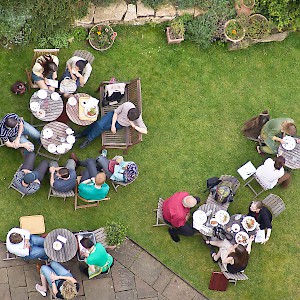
(176, 212)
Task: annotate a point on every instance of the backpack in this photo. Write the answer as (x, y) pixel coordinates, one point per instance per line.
(113, 93)
(131, 172)
(18, 88)
(68, 86)
(223, 192)
(212, 182)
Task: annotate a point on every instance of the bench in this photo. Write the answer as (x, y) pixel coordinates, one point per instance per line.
(127, 137)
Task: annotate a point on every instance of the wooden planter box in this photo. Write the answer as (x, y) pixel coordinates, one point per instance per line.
(173, 41)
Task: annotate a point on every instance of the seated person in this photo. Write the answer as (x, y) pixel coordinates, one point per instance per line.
(78, 69)
(272, 173)
(234, 257)
(60, 281)
(63, 179)
(124, 116)
(13, 132)
(21, 243)
(176, 212)
(27, 180)
(273, 132)
(92, 184)
(97, 259)
(45, 67)
(262, 216)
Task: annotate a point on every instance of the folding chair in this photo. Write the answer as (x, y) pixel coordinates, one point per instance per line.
(2, 143)
(55, 193)
(275, 204)
(12, 184)
(159, 214)
(260, 183)
(234, 278)
(37, 53)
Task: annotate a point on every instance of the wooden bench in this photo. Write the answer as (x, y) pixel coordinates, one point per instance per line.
(127, 137)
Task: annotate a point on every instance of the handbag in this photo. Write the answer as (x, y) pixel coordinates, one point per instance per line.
(68, 86)
(218, 282)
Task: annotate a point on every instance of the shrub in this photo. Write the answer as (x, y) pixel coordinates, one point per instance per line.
(115, 233)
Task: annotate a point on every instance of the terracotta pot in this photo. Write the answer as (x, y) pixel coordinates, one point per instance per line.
(173, 41)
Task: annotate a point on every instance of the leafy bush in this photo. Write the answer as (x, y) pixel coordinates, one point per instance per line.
(115, 233)
(79, 34)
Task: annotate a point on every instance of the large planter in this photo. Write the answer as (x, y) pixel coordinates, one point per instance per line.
(244, 7)
(248, 3)
(257, 27)
(234, 31)
(173, 39)
(101, 37)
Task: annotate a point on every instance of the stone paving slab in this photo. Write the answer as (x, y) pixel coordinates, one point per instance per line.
(144, 290)
(177, 289)
(3, 275)
(163, 280)
(16, 276)
(4, 291)
(19, 293)
(99, 288)
(123, 278)
(126, 295)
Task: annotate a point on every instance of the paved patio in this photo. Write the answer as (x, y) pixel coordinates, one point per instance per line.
(135, 275)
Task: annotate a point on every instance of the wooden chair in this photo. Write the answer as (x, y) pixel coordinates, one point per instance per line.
(37, 53)
(12, 185)
(159, 214)
(91, 203)
(100, 236)
(260, 183)
(234, 278)
(275, 204)
(55, 193)
(127, 137)
(85, 55)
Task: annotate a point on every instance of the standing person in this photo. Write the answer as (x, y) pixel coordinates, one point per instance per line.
(14, 131)
(60, 281)
(27, 180)
(63, 179)
(262, 216)
(125, 115)
(45, 67)
(23, 244)
(176, 212)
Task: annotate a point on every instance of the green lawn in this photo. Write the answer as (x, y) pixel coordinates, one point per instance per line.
(194, 104)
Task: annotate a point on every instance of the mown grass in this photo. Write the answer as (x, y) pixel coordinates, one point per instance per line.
(194, 104)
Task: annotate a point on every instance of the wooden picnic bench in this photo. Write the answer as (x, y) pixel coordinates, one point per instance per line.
(127, 137)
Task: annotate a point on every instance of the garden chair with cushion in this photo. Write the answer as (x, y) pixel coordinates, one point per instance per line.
(11, 185)
(55, 193)
(275, 204)
(159, 214)
(90, 203)
(85, 55)
(38, 53)
(127, 137)
(234, 278)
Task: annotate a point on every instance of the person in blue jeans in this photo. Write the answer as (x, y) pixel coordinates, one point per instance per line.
(23, 244)
(60, 281)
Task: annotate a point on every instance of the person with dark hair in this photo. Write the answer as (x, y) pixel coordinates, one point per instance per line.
(45, 68)
(27, 180)
(125, 115)
(262, 216)
(63, 179)
(176, 212)
(23, 244)
(96, 257)
(273, 132)
(14, 131)
(272, 173)
(233, 257)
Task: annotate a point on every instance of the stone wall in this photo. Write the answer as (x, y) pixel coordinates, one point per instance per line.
(122, 13)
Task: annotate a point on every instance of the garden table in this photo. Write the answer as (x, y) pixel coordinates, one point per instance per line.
(292, 157)
(52, 108)
(73, 111)
(69, 248)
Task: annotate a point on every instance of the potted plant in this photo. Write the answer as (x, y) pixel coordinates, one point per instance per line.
(175, 33)
(243, 7)
(248, 3)
(115, 233)
(101, 37)
(257, 27)
(234, 30)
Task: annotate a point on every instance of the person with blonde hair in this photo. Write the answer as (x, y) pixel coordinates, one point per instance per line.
(60, 281)
(176, 212)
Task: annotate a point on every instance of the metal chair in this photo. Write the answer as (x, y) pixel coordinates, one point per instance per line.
(55, 193)
(260, 183)
(234, 278)
(159, 214)
(275, 204)
(12, 184)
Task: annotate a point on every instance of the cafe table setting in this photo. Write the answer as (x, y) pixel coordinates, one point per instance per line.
(290, 150)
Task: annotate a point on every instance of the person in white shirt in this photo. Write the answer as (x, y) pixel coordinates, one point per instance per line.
(272, 173)
(21, 243)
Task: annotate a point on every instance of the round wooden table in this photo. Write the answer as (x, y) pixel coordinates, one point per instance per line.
(52, 108)
(73, 111)
(59, 132)
(292, 157)
(68, 250)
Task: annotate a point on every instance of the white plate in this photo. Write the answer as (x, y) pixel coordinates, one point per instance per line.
(67, 146)
(60, 149)
(69, 131)
(249, 223)
(213, 222)
(41, 113)
(55, 96)
(222, 216)
(72, 101)
(71, 139)
(242, 238)
(87, 109)
(34, 106)
(47, 133)
(199, 218)
(42, 94)
(235, 227)
(289, 143)
(57, 245)
(51, 148)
